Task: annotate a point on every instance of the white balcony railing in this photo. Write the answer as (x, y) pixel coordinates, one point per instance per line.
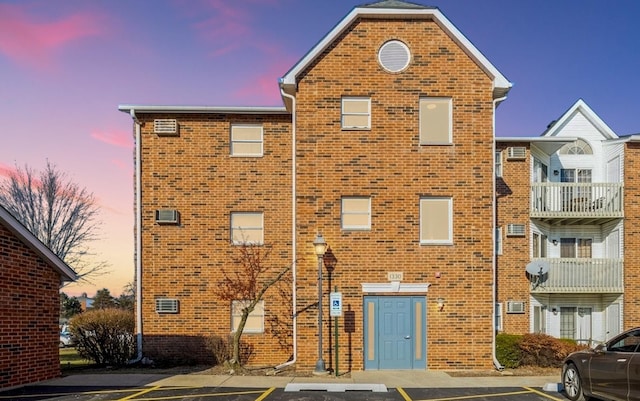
(577, 200)
(581, 275)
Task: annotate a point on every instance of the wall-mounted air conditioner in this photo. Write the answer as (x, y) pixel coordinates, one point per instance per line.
(515, 230)
(167, 305)
(167, 216)
(165, 127)
(516, 153)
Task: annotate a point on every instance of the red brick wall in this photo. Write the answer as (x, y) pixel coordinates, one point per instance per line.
(29, 311)
(631, 310)
(388, 164)
(513, 193)
(194, 174)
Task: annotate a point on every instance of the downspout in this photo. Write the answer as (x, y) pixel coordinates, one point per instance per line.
(293, 231)
(496, 363)
(138, 226)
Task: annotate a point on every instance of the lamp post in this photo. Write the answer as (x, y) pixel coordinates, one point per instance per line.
(320, 246)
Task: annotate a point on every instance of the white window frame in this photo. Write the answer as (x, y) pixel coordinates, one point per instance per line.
(235, 228)
(539, 245)
(426, 137)
(345, 213)
(438, 241)
(345, 114)
(257, 314)
(499, 164)
(234, 141)
(498, 240)
(498, 317)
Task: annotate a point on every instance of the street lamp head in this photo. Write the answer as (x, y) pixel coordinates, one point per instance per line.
(320, 245)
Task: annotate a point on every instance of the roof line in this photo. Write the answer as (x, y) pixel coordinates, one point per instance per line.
(203, 109)
(20, 231)
(500, 82)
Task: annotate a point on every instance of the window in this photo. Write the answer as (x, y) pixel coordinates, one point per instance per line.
(255, 321)
(356, 213)
(246, 140)
(568, 322)
(576, 197)
(498, 163)
(627, 343)
(247, 228)
(498, 317)
(578, 147)
(435, 120)
(539, 319)
(575, 247)
(499, 241)
(356, 113)
(436, 221)
(539, 245)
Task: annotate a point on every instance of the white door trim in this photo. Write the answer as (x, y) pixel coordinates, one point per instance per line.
(395, 286)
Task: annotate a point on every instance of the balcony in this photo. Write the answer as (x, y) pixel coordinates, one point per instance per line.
(565, 203)
(581, 275)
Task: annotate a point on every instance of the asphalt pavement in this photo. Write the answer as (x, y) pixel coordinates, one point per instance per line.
(388, 378)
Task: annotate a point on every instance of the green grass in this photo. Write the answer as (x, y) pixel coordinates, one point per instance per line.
(69, 359)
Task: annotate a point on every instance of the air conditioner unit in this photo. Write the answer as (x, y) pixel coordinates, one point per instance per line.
(165, 127)
(167, 305)
(515, 230)
(167, 216)
(516, 153)
(515, 307)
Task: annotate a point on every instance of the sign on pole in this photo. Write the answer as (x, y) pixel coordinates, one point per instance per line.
(335, 299)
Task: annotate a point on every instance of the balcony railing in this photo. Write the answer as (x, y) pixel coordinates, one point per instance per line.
(562, 200)
(576, 275)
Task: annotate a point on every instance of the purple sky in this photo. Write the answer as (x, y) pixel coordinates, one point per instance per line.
(65, 66)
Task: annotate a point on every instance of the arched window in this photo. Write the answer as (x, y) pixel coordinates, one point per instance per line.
(579, 147)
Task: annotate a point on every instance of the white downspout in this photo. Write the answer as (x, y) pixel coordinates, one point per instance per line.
(293, 231)
(496, 363)
(138, 225)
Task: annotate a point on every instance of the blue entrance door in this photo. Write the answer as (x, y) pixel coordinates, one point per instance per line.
(394, 332)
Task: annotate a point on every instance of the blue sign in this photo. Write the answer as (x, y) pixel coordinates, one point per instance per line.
(335, 301)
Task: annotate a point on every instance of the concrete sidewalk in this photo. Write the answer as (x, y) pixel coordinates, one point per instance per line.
(391, 379)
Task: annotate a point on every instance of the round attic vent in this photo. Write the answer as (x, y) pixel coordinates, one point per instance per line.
(394, 56)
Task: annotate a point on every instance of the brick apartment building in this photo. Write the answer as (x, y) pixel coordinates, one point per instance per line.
(30, 305)
(385, 145)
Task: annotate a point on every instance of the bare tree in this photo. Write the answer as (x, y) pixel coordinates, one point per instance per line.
(247, 283)
(58, 212)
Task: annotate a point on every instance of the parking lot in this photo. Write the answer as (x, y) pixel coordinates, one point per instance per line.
(165, 393)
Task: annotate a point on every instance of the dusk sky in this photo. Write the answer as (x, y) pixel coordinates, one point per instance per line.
(66, 65)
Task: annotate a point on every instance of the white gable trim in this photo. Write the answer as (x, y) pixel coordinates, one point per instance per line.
(581, 107)
(34, 243)
(500, 83)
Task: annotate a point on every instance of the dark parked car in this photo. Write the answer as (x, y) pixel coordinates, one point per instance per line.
(610, 371)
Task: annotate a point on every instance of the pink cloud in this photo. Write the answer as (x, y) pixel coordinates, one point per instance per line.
(6, 171)
(263, 88)
(117, 138)
(121, 165)
(27, 40)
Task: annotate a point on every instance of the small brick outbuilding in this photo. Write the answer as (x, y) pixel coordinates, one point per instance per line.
(30, 279)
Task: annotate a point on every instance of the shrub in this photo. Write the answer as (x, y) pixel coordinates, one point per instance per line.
(546, 351)
(105, 336)
(220, 348)
(508, 351)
